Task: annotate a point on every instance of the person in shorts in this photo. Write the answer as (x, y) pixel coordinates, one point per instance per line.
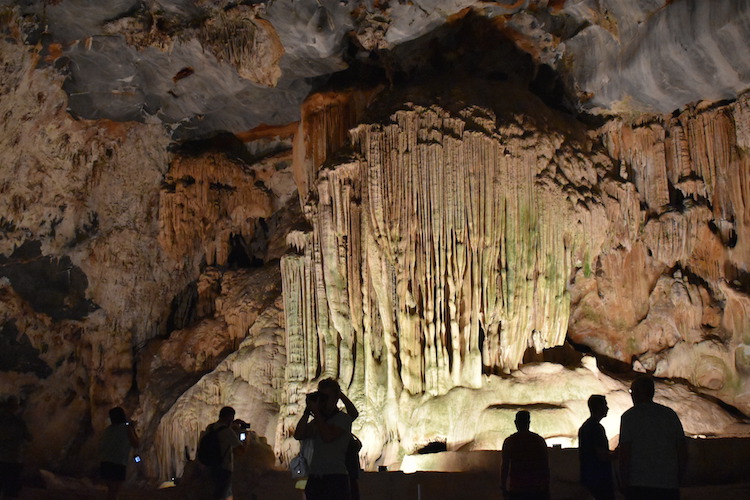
(118, 440)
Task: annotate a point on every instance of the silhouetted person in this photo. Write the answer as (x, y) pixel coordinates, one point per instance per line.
(331, 431)
(593, 452)
(227, 431)
(652, 449)
(13, 434)
(524, 474)
(114, 453)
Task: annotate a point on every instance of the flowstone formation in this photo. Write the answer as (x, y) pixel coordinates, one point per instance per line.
(451, 239)
(670, 292)
(442, 246)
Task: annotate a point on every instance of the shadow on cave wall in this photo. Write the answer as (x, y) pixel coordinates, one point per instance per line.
(471, 46)
(18, 355)
(53, 286)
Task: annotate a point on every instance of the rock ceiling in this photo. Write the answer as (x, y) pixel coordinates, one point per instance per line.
(207, 203)
(204, 66)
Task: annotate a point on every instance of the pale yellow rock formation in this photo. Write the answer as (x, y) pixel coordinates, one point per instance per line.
(441, 251)
(250, 380)
(449, 239)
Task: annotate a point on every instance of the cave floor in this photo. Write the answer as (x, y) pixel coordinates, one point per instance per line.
(272, 490)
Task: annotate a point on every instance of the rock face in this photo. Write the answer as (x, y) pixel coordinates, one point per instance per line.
(186, 224)
(452, 238)
(679, 315)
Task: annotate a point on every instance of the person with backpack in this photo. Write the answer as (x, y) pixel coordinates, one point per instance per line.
(215, 450)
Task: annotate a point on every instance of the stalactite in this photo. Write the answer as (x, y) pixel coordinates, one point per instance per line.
(440, 252)
(205, 200)
(444, 243)
(323, 129)
(245, 41)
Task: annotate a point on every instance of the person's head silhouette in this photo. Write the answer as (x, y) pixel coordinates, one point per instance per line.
(642, 389)
(523, 420)
(117, 415)
(598, 406)
(226, 415)
(332, 391)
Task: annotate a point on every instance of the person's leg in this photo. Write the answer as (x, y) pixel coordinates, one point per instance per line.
(314, 489)
(338, 487)
(643, 493)
(222, 480)
(113, 489)
(10, 486)
(602, 492)
(354, 487)
(114, 476)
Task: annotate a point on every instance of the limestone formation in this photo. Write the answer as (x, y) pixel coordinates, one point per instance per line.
(207, 201)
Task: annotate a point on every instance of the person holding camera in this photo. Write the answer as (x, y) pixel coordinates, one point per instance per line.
(330, 429)
(224, 435)
(114, 453)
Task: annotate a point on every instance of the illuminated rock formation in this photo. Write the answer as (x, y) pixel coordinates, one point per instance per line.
(207, 201)
(679, 315)
(446, 243)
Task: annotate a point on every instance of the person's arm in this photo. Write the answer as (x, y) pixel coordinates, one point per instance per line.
(624, 454)
(351, 410)
(304, 429)
(624, 451)
(133, 436)
(505, 468)
(236, 429)
(682, 452)
(26, 433)
(601, 447)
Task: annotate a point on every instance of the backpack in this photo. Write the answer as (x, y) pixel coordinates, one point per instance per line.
(300, 465)
(209, 448)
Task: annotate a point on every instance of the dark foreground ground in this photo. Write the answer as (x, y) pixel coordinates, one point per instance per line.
(718, 469)
(383, 486)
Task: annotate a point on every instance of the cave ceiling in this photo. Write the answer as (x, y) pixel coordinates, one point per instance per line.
(200, 67)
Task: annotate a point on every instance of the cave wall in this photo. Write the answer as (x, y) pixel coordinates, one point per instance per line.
(684, 313)
(108, 295)
(82, 270)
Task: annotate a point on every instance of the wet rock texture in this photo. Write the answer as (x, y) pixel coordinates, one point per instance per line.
(185, 225)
